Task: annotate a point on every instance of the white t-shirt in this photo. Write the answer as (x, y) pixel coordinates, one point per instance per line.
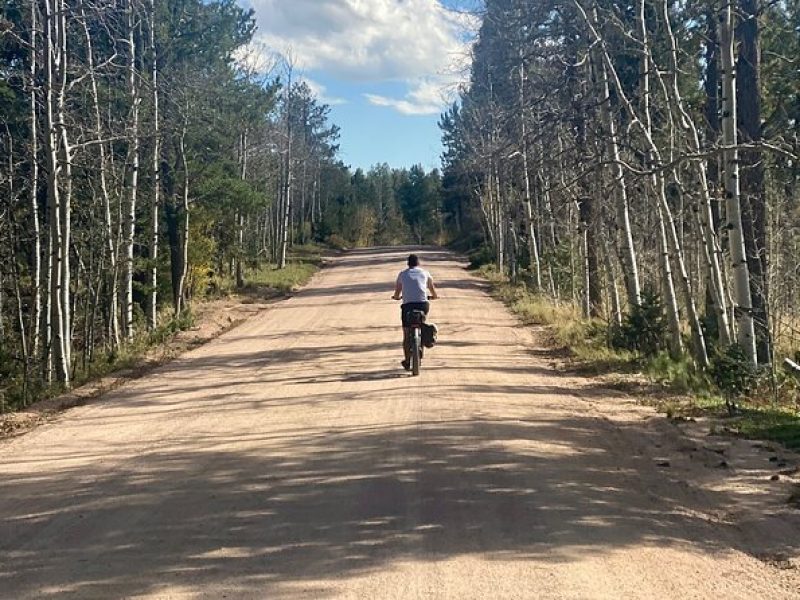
(414, 283)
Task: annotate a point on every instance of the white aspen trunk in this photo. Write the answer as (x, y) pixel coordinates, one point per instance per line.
(110, 236)
(303, 188)
(586, 303)
(654, 160)
(156, 173)
(644, 74)
(275, 221)
(286, 212)
(698, 337)
(712, 247)
(268, 236)
(499, 225)
(613, 291)
(315, 197)
(130, 214)
(314, 201)
(13, 242)
(513, 250)
(674, 241)
(276, 214)
(66, 199)
(487, 199)
(66, 240)
(665, 214)
(533, 247)
(572, 227)
(49, 309)
(632, 283)
(36, 318)
(185, 233)
(548, 207)
(287, 184)
(743, 305)
(23, 338)
(56, 319)
(668, 287)
(239, 215)
(484, 203)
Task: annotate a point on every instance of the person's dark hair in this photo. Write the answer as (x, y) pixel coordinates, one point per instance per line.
(413, 260)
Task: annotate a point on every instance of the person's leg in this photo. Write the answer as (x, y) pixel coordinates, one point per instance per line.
(406, 339)
(407, 343)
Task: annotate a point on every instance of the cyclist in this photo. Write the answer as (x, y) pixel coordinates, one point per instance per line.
(415, 285)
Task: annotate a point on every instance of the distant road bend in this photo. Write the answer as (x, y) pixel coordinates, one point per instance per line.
(293, 458)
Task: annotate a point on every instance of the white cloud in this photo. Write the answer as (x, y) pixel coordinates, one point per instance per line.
(426, 96)
(404, 106)
(321, 92)
(417, 42)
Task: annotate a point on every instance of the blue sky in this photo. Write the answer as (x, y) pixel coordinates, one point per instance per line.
(386, 67)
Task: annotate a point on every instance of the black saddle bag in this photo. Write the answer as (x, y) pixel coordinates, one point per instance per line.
(430, 334)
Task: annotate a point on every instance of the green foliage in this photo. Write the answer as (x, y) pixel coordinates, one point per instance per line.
(166, 331)
(335, 241)
(419, 196)
(679, 374)
(284, 280)
(481, 256)
(268, 280)
(560, 260)
(733, 374)
(382, 206)
(782, 426)
(710, 327)
(787, 386)
(643, 329)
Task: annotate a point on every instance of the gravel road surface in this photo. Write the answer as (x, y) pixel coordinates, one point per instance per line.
(293, 458)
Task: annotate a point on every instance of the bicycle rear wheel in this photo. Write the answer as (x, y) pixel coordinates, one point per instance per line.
(415, 353)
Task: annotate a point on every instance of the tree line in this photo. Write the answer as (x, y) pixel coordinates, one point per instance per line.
(385, 206)
(619, 154)
(145, 154)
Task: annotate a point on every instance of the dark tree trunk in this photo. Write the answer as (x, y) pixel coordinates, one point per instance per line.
(594, 292)
(172, 217)
(754, 209)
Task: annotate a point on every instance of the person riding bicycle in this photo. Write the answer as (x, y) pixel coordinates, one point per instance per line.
(415, 286)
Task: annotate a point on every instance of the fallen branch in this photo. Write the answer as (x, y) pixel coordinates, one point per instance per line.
(791, 366)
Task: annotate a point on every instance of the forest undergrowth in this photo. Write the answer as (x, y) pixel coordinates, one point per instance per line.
(766, 407)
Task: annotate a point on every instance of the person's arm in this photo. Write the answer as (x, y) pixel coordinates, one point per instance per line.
(432, 289)
(398, 289)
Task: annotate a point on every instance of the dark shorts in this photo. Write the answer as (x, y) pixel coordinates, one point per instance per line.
(406, 309)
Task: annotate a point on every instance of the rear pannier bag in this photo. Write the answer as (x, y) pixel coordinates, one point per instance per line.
(430, 333)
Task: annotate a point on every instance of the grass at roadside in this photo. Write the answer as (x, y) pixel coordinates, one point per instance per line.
(301, 266)
(676, 387)
(585, 340)
(777, 425)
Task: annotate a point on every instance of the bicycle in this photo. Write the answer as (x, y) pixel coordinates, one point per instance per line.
(416, 320)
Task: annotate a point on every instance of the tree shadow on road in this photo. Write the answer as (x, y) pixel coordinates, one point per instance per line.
(265, 511)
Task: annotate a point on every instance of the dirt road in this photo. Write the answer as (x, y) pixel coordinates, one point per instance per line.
(292, 458)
